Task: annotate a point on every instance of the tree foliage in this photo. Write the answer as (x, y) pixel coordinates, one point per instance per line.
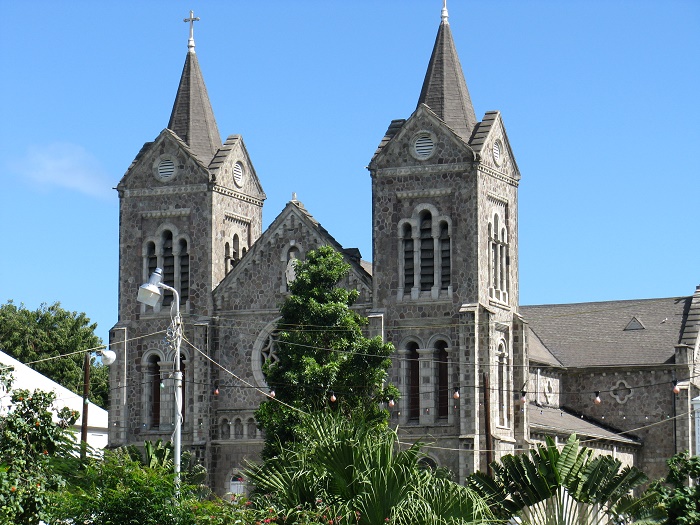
(567, 486)
(323, 354)
(50, 331)
(30, 442)
(677, 500)
(351, 471)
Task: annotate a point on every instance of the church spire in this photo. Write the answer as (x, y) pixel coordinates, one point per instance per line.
(192, 118)
(444, 88)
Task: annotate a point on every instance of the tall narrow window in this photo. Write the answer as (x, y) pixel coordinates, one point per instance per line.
(168, 266)
(236, 249)
(225, 431)
(227, 258)
(503, 386)
(184, 271)
(498, 260)
(427, 252)
(445, 262)
(251, 428)
(413, 382)
(443, 391)
(408, 266)
(152, 258)
(237, 429)
(153, 380)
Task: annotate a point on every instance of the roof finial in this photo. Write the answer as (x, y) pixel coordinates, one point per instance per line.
(191, 20)
(444, 11)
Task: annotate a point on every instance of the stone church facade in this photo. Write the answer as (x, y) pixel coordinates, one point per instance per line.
(480, 376)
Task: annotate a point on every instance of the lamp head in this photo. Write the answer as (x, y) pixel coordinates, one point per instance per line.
(149, 293)
(108, 357)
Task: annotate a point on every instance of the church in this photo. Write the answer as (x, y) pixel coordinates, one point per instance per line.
(480, 375)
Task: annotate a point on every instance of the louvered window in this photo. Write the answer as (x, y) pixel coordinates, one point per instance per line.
(168, 267)
(423, 145)
(408, 266)
(427, 252)
(184, 271)
(153, 380)
(445, 260)
(151, 257)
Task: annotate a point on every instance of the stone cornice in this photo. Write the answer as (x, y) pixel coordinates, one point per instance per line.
(235, 217)
(422, 170)
(162, 214)
(423, 193)
(238, 195)
(497, 174)
(166, 190)
(497, 198)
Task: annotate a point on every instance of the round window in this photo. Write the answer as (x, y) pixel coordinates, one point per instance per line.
(497, 152)
(164, 168)
(264, 351)
(423, 145)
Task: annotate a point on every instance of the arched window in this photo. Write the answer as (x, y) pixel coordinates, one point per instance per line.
(237, 429)
(413, 378)
(445, 259)
(236, 249)
(443, 388)
(184, 271)
(498, 260)
(237, 485)
(408, 266)
(153, 380)
(168, 266)
(251, 428)
(225, 429)
(503, 385)
(227, 257)
(427, 252)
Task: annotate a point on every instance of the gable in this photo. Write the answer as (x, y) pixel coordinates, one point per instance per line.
(491, 144)
(232, 168)
(259, 281)
(421, 140)
(165, 162)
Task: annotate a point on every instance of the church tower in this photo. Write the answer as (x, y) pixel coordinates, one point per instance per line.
(191, 206)
(445, 275)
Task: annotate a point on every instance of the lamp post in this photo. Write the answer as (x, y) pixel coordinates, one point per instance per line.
(108, 357)
(149, 294)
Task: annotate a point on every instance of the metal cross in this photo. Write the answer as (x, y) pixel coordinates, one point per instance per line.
(192, 19)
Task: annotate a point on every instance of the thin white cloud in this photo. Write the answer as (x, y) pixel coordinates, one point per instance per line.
(63, 165)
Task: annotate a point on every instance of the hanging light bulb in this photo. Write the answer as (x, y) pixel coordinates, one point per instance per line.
(597, 397)
(392, 403)
(272, 393)
(456, 394)
(162, 385)
(676, 388)
(333, 398)
(523, 397)
(216, 391)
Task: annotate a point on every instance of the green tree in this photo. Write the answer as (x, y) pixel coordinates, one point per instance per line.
(52, 332)
(677, 501)
(351, 471)
(30, 442)
(561, 487)
(325, 361)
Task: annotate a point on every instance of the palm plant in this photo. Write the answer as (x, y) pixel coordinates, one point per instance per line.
(356, 471)
(553, 487)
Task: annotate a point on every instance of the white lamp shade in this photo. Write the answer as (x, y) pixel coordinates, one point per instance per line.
(108, 357)
(148, 294)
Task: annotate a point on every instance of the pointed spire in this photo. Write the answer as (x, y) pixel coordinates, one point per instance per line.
(192, 118)
(444, 88)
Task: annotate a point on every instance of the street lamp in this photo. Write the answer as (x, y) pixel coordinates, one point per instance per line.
(150, 294)
(108, 357)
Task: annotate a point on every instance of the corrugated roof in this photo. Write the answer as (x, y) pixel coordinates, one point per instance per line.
(445, 89)
(550, 420)
(593, 334)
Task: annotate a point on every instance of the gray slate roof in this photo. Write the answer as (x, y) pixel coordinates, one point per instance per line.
(593, 334)
(444, 88)
(192, 118)
(549, 420)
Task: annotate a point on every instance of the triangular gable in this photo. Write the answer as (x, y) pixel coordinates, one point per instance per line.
(423, 118)
(141, 171)
(634, 324)
(223, 167)
(489, 130)
(265, 262)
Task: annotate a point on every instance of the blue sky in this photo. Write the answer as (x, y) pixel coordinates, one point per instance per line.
(599, 99)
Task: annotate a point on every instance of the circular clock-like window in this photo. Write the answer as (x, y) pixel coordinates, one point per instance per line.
(238, 174)
(423, 145)
(497, 152)
(264, 351)
(165, 168)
